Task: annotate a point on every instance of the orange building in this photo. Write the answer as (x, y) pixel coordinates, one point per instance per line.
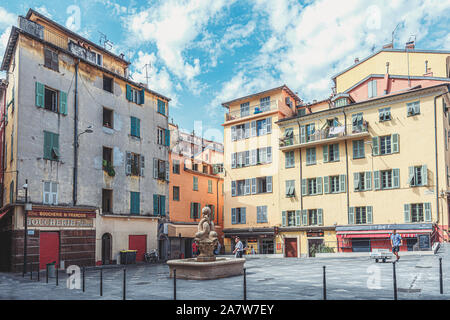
(195, 182)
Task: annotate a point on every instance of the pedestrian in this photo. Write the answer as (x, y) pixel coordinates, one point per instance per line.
(239, 248)
(217, 250)
(253, 250)
(194, 248)
(396, 242)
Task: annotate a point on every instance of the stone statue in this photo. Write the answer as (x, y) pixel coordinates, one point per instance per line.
(206, 237)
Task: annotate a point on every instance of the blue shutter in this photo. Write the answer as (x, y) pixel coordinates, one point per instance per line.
(167, 139)
(142, 96)
(319, 185)
(325, 153)
(376, 180)
(283, 218)
(138, 127)
(368, 177)
(269, 184)
(243, 210)
(233, 216)
(128, 93)
(155, 205)
(302, 134)
(342, 178)
(233, 188)
(396, 178)
(133, 126)
(162, 200)
(63, 103)
(40, 90)
(395, 143)
(326, 184)
(320, 217)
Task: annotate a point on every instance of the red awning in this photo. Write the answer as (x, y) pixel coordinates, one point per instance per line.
(4, 213)
(407, 234)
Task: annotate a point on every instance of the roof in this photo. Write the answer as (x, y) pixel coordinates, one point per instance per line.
(388, 50)
(397, 93)
(75, 35)
(226, 104)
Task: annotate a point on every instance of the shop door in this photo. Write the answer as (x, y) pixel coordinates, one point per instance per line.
(361, 245)
(48, 249)
(139, 243)
(106, 248)
(291, 248)
(314, 246)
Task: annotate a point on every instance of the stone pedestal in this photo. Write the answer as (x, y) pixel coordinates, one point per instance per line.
(194, 270)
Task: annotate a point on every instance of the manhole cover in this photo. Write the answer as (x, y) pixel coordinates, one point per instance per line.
(408, 290)
(141, 283)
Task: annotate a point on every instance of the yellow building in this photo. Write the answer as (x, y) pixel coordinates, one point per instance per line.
(251, 167)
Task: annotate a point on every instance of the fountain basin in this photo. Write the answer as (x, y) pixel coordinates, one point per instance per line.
(191, 269)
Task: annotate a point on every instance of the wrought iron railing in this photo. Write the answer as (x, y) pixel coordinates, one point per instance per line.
(251, 110)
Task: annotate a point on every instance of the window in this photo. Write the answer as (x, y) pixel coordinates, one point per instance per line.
(238, 215)
(310, 130)
(217, 168)
(135, 164)
(195, 184)
(310, 156)
(360, 215)
(385, 145)
(384, 114)
(176, 166)
(51, 59)
(331, 152)
(372, 88)
(334, 184)
(241, 131)
(50, 193)
(107, 157)
(341, 102)
(357, 122)
(301, 112)
(107, 201)
(261, 214)
(245, 109)
(161, 107)
(161, 169)
(51, 99)
(290, 218)
(418, 176)
(99, 59)
(108, 118)
(358, 149)
(290, 188)
(135, 127)
(51, 146)
(159, 205)
(195, 210)
(362, 181)
(264, 104)
(210, 186)
(108, 84)
(251, 186)
(262, 127)
(312, 217)
(264, 184)
(417, 212)
(160, 136)
(386, 179)
(288, 138)
(413, 108)
(312, 186)
(213, 210)
(205, 168)
(176, 193)
(289, 159)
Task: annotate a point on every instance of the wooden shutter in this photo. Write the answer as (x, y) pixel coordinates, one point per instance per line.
(142, 96)
(253, 186)
(304, 188)
(319, 185)
(375, 146)
(411, 176)
(47, 145)
(351, 215)
(425, 175)
(162, 204)
(427, 207)
(304, 217)
(269, 184)
(356, 181)
(396, 178)
(283, 219)
(368, 180)
(243, 212)
(407, 212)
(142, 168)
(297, 217)
(233, 188)
(40, 90)
(342, 178)
(302, 134)
(325, 153)
(395, 143)
(326, 184)
(376, 180)
(63, 102)
(369, 214)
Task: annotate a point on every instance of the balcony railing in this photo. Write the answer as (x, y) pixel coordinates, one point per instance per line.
(329, 133)
(251, 110)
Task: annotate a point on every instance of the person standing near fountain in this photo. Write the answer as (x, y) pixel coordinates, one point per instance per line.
(239, 248)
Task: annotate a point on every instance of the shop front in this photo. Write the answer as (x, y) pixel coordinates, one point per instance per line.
(60, 235)
(415, 237)
(263, 240)
(302, 242)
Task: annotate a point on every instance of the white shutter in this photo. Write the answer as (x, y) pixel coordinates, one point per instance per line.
(253, 156)
(253, 185)
(269, 154)
(142, 158)
(155, 168)
(167, 170)
(128, 164)
(269, 184)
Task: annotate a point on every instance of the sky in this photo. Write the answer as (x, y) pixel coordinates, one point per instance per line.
(201, 53)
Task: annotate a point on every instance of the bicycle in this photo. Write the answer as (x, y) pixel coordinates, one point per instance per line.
(151, 256)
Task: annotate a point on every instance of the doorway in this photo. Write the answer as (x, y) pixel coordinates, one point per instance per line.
(138, 243)
(106, 248)
(48, 249)
(314, 246)
(290, 247)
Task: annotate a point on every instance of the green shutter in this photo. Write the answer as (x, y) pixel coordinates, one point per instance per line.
(356, 181)
(162, 200)
(320, 217)
(326, 184)
(304, 217)
(396, 178)
(134, 203)
(427, 206)
(325, 153)
(47, 145)
(304, 188)
(283, 219)
(138, 127)
(243, 218)
(40, 94)
(133, 126)
(351, 215)
(369, 214)
(167, 139)
(319, 185)
(407, 212)
(375, 146)
(376, 180)
(142, 96)
(342, 178)
(297, 217)
(129, 94)
(368, 181)
(63, 103)
(425, 175)
(192, 210)
(411, 176)
(55, 144)
(336, 152)
(155, 205)
(395, 143)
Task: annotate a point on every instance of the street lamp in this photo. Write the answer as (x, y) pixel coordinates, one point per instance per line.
(75, 167)
(88, 130)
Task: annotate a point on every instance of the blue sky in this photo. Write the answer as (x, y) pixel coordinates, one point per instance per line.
(203, 53)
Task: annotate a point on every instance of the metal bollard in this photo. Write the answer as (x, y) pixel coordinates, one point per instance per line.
(245, 284)
(57, 275)
(39, 273)
(324, 284)
(441, 283)
(174, 284)
(101, 282)
(124, 283)
(395, 281)
(46, 273)
(83, 280)
(31, 272)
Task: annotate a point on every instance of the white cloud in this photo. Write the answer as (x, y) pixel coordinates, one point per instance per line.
(43, 10)
(7, 18)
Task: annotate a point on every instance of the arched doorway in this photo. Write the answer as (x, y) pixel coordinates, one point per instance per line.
(106, 248)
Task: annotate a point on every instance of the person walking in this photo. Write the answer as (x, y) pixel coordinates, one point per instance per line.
(194, 248)
(396, 242)
(239, 248)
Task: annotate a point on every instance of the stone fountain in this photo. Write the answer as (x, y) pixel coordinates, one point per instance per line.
(206, 266)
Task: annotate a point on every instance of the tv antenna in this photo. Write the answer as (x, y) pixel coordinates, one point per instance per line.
(393, 32)
(107, 45)
(146, 71)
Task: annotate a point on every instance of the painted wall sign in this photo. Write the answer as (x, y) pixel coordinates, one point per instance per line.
(59, 214)
(70, 223)
(315, 234)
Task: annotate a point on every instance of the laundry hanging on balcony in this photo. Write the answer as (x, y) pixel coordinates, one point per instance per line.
(337, 130)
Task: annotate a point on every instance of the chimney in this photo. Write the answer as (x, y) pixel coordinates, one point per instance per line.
(356, 60)
(409, 45)
(388, 46)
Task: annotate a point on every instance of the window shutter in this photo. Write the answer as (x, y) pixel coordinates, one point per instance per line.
(304, 217)
(247, 186)
(138, 127)
(395, 143)
(368, 182)
(283, 219)
(407, 212)
(192, 211)
(128, 164)
(129, 94)
(369, 214)
(427, 206)
(396, 178)
(376, 180)
(243, 210)
(247, 130)
(233, 133)
(155, 205)
(253, 128)
(137, 202)
(39, 95)
(247, 158)
(342, 178)
(233, 215)
(356, 181)
(162, 202)
(233, 160)
(269, 154)
(336, 152)
(142, 159)
(319, 185)
(142, 96)
(133, 126)
(302, 134)
(411, 177)
(417, 107)
(325, 153)
(297, 217)
(351, 215)
(253, 156)
(47, 145)
(320, 217)
(304, 190)
(167, 170)
(355, 149)
(55, 144)
(424, 175)
(253, 185)
(155, 168)
(326, 184)
(233, 188)
(269, 125)
(375, 146)
(269, 184)
(167, 137)
(63, 103)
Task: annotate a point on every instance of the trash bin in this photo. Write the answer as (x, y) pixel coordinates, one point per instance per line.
(51, 269)
(128, 256)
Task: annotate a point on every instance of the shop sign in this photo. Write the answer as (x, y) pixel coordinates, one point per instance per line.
(61, 214)
(314, 234)
(50, 222)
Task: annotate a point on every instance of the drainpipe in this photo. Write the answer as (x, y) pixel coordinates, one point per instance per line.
(346, 162)
(300, 171)
(75, 134)
(436, 159)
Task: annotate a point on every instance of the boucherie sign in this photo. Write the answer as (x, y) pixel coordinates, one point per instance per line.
(61, 214)
(58, 222)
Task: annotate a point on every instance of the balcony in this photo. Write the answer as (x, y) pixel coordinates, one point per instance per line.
(252, 110)
(56, 39)
(326, 135)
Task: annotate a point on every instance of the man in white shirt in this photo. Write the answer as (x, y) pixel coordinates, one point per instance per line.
(239, 248)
